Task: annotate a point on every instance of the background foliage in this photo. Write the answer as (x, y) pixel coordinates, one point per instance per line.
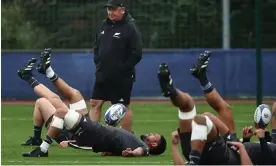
(70, 24)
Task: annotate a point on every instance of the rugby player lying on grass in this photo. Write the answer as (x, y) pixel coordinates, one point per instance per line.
(45, 106)
(43, 114)
(204, 137)
(111, 140)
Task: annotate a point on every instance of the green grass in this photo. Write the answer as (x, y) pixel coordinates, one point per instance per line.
(159, 118)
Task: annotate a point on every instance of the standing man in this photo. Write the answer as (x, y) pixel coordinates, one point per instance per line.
(117, 50)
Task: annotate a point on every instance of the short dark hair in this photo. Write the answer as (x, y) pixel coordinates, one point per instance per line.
(160, 148)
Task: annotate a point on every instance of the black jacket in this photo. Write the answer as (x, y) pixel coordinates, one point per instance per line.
(117, 49)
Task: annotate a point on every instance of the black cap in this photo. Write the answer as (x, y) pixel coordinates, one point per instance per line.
(114, 3)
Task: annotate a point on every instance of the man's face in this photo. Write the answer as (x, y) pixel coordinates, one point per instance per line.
(151, 139)
(115, 14)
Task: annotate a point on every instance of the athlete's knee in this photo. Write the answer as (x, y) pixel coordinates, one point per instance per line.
(53, 96)
(61, 112)
(71, 118)
(200, 119)
(58, 118)
(41, 101)
(96, 104)
(201, 127)
(75, 95)
(187, 115)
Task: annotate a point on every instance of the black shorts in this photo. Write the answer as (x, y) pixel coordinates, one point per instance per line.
(64, 134)
(118, 92)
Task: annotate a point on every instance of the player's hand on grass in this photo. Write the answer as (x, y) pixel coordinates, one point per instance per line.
(236, 145)
(260, 133)
(247, 132)
(175, 138)
(63, 144)
(127, 153)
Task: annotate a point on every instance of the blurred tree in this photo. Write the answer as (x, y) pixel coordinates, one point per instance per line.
(17, 31)
(72, 24)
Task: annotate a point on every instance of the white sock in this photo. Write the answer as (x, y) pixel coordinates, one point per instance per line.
(44, 146)
(50, 72)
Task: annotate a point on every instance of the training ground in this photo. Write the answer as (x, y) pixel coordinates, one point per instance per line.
(156, 116)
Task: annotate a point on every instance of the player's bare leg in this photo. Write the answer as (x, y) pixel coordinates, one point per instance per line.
(95, 113)
(42, 91)
(126, 122)
(273, 123)
(42, 112)
(186, 111)
(72, 95)
(211, 95)
(182, 100)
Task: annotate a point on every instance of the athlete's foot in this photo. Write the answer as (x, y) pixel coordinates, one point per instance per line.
(199, 69)
(35, 153)
(165, 80)
(32, 141)
(26, 72)
(45, 58)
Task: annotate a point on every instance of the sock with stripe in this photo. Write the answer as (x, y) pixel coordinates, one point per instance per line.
(32, 81)
(46, 144)
(51, 74)
(206, 85)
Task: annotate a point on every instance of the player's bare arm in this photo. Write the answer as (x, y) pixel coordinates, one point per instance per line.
(177, 158)
(133, 153)
(245, 160)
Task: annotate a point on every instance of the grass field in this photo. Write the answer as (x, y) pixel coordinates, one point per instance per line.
(160, 118)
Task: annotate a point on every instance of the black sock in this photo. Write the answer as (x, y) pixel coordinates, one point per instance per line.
(194, 157)
(206, 85)
(203, 79)
(37, 132)
(54, 78)
(48, 139)
(33, 82)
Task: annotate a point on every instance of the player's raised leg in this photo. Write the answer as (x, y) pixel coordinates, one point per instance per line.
(211, 95)
(179, 99)
(43, 111)
(42, 91)
(72, 95)
(186, 110)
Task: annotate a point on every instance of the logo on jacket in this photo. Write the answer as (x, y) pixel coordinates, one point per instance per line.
(102, 33)
(117, 35)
